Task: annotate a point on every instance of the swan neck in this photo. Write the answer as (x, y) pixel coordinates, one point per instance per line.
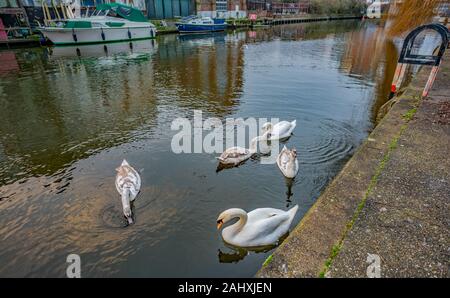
(126, 197)
(242, 215)
(255, 140)
(290, 164)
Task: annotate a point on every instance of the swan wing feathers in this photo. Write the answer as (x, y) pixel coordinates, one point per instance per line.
(283, 128)
(127, 176)
(234, 152)
(265, 213)
(265, 226)
(283, 158)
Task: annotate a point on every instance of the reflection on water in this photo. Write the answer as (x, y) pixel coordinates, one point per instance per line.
(234, 254)
(71, 114)
(289, 193)
(131, 49)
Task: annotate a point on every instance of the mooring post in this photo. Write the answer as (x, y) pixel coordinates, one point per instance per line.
(430, 81)
(398, 77)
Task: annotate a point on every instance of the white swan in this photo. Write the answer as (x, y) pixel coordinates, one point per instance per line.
(236, 155)
(128, 184)
(280, 130)
(260, 227)
(287, 162)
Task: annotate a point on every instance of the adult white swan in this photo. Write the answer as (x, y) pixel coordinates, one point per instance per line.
(236, 155)
(128, 184)
(287, 162)
(280, 130)
(260, 227)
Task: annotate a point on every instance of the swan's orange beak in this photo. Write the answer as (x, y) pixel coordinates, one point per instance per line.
(219, 224)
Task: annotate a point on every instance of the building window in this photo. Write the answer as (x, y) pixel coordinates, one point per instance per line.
(257, 4)
(221, 5)
(8, 3)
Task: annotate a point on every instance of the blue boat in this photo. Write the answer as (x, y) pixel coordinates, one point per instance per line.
(194, 24)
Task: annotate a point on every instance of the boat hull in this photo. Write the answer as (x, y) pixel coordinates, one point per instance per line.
(199, 28)
(69, 36)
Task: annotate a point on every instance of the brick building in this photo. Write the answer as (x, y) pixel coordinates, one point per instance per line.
(278, 7)
(222, 8)
(283, 8)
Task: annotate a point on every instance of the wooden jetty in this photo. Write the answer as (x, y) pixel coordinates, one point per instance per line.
(19, 42)
(295, 20)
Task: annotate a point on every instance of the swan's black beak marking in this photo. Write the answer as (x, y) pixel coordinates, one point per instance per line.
(219, 224)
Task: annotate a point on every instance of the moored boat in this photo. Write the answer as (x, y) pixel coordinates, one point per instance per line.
(110, 22)
(196, 24)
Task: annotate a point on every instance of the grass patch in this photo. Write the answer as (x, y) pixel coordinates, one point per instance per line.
(337, 247)
(373, 182)
(268, 260)
(410, 114)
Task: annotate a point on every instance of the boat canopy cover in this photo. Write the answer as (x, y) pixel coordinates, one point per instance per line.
(125, 11)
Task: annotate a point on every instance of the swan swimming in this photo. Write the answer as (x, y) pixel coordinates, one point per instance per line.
(236, 155)
(260, 227)
(280, 130)
(287, 162)
(128, 184)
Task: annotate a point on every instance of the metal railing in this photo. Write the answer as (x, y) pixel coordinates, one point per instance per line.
(406, 57)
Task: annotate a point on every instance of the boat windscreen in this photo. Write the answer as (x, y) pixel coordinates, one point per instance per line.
(75, 24)
(188, 18)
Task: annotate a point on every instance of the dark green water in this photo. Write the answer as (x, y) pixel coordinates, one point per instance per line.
(69, 117)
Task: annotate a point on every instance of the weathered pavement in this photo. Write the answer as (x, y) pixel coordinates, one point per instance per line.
(406, 219)
(391, 199)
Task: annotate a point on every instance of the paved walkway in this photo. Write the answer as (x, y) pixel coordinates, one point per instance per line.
(406, 217)
(390, 202)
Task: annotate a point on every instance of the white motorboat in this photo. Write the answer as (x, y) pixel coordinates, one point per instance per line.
(109, 22)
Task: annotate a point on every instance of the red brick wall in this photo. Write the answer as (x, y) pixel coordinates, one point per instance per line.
(206, 5)
(210, 5)
(232, 4)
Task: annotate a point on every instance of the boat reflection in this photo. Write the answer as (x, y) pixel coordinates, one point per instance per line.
(100, 50)
(8, 63)
(208, 39)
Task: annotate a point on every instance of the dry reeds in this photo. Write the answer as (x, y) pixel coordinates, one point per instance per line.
(408, 14)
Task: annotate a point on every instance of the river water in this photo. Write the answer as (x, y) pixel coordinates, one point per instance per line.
(69, 116)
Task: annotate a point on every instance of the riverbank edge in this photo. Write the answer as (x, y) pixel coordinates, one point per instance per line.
(267, 23)
(34, 42)
(311, 247)
(294, 20)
